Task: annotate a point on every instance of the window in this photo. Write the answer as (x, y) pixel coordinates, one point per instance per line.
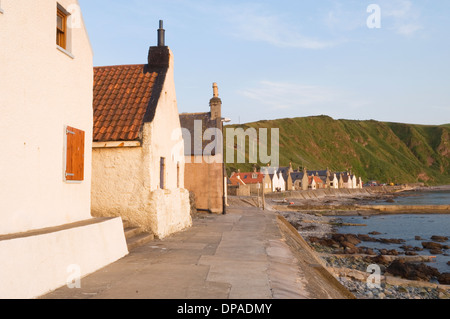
(178, 175)
(74, 171)
(61, 28)
(162, 173)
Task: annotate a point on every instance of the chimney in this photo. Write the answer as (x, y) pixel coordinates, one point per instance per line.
(159, 56)
(216, 104)
(215, 90)
(161, 34)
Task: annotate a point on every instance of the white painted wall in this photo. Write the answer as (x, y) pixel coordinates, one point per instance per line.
(33, 266)
(281, 182)
(42, 89)
(164, 134)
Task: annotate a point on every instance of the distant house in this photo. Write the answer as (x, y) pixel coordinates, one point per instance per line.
(278, 183)
(312, 183)
(255, 180)
(296, 178)
(359, 183)
(204, 169)
(347, 181)
(138, 150)
(315, 182)
(286, 174)
(47, 232)
(276, 177)
(332, 181)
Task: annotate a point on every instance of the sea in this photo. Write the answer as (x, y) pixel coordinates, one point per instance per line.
(407, 227)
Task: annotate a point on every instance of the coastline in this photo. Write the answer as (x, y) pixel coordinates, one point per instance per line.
(355, 202)
(315, 219)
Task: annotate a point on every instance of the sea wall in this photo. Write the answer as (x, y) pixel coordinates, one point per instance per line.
(408, 209)
(322, 193)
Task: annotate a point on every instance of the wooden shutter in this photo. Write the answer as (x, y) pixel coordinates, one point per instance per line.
(74, 155)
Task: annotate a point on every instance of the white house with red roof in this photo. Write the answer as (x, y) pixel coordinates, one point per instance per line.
(138, 148)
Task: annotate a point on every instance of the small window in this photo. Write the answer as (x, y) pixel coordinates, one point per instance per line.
(162, 173)
(74, 155)
(178, 175)
(61, 28)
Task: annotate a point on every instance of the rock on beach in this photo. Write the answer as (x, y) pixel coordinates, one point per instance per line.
(440, 239)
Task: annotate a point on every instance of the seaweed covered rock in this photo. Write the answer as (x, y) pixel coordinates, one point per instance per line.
(444, 279)
(440, 239)
(412, 271)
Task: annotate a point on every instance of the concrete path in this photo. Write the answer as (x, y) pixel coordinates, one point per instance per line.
(241, 255)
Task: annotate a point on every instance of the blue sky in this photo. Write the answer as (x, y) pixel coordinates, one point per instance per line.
(286, 58)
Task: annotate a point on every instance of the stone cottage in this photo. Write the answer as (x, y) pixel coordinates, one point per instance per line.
(46, 229)
(138, 151)
(205, 174)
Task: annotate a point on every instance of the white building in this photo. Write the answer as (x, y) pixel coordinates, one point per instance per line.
(138, 156)
(46, 124)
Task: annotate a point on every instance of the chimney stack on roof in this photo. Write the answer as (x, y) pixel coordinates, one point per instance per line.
(216, 104)
(159, 56)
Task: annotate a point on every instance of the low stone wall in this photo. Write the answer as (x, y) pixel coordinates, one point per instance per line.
(321, 193)
(438, 209)
(241, 190)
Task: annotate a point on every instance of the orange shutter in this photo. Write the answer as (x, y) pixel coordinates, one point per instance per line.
(74, 154)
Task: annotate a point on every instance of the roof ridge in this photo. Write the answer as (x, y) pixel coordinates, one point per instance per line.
(118, 65)
(196, 113)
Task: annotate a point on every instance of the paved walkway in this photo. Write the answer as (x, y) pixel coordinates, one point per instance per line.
(241, 255)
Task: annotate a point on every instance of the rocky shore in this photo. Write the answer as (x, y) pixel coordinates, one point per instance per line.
(403, 274)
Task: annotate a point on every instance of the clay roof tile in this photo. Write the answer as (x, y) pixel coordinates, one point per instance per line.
(122, 97)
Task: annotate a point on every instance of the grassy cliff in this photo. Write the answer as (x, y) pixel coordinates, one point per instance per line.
(386, 152)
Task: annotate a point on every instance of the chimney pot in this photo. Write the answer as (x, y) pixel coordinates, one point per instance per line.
(161, 34)
(215, 90)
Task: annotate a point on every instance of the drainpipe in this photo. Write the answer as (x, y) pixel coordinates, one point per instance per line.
(225, 184)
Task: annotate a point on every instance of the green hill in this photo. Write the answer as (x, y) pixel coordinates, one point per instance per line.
(382, 151)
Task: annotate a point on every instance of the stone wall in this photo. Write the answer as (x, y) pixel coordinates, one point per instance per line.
(206, 180)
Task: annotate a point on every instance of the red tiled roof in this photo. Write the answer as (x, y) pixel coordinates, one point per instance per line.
(122, 96)
(247, 178)
(317, 179)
